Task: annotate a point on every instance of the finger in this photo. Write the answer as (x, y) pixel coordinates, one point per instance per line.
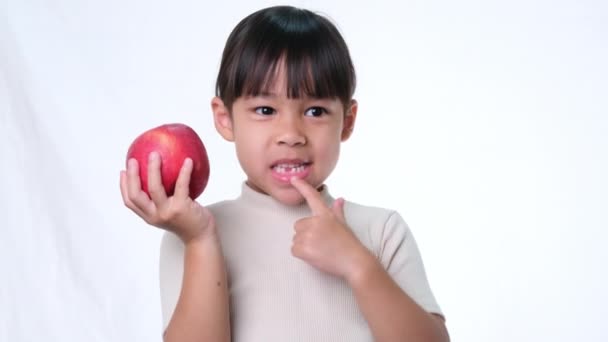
(301, 225)
(311, 195)
(135, 194)
(125, 194)
(133, 180)
(182, 185)
(155, 183)
(295, 250)
(301, 251)
(338, 209)
(296, 239)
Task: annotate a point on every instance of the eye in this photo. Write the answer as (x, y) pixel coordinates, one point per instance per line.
(315, 111)
(264, 110)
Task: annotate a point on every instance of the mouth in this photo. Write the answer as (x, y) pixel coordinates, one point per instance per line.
(284, 170)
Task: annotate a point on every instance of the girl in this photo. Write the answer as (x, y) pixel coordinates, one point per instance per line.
(284, 261)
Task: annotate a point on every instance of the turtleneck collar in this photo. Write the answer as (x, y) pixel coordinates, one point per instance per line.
(263, 202)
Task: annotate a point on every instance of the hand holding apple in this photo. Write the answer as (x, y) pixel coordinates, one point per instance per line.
(163, 196)
(174, 143)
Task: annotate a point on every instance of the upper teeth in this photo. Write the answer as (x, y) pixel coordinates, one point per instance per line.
(283, 168)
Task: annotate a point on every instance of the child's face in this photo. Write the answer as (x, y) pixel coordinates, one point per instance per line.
(277, 138)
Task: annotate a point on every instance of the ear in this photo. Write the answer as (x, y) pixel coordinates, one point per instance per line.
(222, 119)
(349, 120)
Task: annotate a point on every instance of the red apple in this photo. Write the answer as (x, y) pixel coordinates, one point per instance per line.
(174, 143)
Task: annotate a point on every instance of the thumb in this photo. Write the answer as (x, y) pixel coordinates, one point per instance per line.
(338, 209)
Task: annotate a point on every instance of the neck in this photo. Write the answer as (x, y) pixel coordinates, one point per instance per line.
(263, 202)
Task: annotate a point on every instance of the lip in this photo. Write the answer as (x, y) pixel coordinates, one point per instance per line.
(285, 177)
(290, 161)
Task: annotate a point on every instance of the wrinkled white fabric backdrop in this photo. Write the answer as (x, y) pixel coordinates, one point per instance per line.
(483, 123)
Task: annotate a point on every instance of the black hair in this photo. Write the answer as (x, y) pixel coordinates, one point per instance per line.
(316, 57)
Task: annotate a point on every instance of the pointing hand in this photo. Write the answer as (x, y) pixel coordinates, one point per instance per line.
(324, 240)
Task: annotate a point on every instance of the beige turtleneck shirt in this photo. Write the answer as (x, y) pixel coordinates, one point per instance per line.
(275, 296)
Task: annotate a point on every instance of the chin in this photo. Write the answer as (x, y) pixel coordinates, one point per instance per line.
(289, 197)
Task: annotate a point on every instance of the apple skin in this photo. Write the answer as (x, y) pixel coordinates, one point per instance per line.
(174, 143)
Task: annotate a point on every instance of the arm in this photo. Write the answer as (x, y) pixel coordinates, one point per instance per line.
(325, 241)
(201, 313)
(391, 314)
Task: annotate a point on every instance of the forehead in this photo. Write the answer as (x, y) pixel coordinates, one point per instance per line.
(292, 81)
(277, 80)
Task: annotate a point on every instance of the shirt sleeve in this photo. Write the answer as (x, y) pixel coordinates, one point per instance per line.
(171, 271)
(400, 256)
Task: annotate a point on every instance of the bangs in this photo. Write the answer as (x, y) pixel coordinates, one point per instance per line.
(306, 46)
(307, 75)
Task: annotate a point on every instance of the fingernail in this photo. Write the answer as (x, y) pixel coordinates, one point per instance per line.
(152, 156)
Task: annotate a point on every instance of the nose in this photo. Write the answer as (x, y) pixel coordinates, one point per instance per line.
(290, 132)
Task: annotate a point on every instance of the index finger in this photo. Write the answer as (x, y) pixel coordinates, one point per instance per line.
(311, 195)
(182, 186)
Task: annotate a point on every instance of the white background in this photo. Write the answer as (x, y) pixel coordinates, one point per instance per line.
(483, 122)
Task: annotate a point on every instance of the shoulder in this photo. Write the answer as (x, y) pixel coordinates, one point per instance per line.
(222, 208)
(375, 225)
(370, 215)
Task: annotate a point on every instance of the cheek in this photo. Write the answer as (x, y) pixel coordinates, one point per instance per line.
(245, 151)
(329, 151)
(249, 152)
